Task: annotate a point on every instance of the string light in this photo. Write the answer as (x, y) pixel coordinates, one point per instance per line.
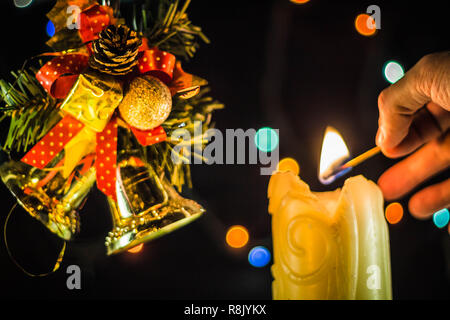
(259, 256)
(394, 213)
(266, 139)
(441, 218)
(393, 71)
(237, 236)
(362, 23)
(289, 164)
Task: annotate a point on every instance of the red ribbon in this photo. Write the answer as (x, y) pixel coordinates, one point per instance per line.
(93, 20)
(157, 63)
(106, 163)
(53, 142)
(58, 76)
(106, 148)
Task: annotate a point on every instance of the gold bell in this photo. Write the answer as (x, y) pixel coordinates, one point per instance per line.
(147, 206)
(47, 196)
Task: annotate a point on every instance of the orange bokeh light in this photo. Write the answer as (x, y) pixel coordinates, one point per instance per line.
(362, 23)
(394, 213)
(136, 249)
(299, 1)
(289, 164)
(237, 236)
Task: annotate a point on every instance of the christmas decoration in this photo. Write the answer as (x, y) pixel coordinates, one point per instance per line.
(100, 111)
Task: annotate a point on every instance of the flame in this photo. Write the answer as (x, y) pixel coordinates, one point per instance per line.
(334, 153)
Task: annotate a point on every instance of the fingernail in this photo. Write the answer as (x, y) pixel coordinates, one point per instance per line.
(380, 136)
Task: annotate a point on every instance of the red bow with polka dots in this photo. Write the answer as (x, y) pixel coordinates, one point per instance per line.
(57, 78)
(59, 75)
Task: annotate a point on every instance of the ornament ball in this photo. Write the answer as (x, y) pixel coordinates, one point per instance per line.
(147, 103)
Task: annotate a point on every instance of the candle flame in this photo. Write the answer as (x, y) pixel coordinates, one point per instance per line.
(334, 153)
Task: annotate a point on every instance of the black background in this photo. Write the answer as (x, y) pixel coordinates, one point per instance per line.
(294, 67)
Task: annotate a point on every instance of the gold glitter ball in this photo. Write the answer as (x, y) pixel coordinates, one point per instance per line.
(146, 104)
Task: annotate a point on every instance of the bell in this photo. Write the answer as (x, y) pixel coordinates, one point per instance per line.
(47, 195)
(147, 206)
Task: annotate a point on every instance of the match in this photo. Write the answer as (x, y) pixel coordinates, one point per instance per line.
(361, 158)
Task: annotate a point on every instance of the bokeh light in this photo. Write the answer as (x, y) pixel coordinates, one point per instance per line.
(362, 23)
(393, 71)
(259, 256)
(441, 218)
(50, 28)
(266, 139)
(299, 1)
(136, 249)
(289, 164)
(394, 213)
(22, 3)
(237, 236)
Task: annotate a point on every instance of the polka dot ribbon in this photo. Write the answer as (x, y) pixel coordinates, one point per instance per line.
(149, 137)
(106, 163)
(53, 142)
(106, 148)
(93, 20)
(157, 63)
(58, 75)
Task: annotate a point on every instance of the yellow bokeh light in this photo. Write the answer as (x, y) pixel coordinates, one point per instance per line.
(237, 236)
(289, 164)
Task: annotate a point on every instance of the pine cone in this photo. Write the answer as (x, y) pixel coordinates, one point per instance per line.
(115, 51)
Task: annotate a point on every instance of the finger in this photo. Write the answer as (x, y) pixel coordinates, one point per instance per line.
(410, 172)
(428, 80)
(397, 105)
(428, 123)
(429, 200)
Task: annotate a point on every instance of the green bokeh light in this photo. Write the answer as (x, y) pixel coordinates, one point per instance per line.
(266, 139)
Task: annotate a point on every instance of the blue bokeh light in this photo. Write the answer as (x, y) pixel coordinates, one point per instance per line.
(50, 28)
(441, 218)
(259, 256)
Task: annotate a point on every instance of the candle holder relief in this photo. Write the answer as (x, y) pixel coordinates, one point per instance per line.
(329, 245)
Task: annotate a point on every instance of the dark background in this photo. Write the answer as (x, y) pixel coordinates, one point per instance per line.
(294, 67)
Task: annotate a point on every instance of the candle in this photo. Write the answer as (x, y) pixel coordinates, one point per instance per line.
(328, 245)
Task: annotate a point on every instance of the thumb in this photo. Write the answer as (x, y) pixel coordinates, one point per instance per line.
(428, 80)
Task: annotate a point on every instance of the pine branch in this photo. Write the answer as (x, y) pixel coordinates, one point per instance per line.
(31, 111)
(184, 113)
(168, 27)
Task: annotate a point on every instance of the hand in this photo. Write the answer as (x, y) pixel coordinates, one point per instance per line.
(415, 113)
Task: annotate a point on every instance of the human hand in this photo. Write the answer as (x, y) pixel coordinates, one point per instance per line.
(415, 113)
